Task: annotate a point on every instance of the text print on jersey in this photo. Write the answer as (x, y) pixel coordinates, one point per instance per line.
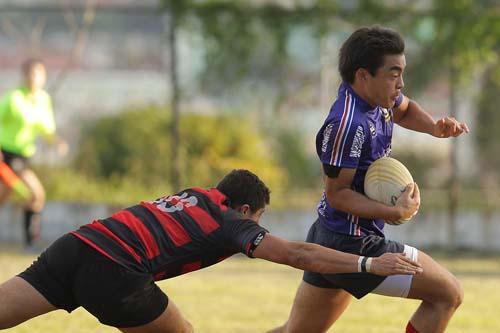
(175, 203)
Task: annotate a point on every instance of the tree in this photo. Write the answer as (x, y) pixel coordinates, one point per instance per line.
(455, 38)
(465, 41)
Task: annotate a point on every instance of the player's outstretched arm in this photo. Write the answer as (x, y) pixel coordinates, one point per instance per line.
(316, 258)
(409, 114)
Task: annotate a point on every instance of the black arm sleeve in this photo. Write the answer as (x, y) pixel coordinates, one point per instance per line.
(241, 235)
(331, 171)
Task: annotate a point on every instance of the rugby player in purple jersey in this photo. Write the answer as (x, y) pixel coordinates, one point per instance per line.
(109, 267)
(356, 132)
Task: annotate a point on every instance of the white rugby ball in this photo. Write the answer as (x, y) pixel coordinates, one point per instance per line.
(385, 180)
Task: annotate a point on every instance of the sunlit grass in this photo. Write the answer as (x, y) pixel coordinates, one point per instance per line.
(243, 296)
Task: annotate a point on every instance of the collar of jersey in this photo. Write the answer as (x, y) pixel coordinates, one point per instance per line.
(361, 104)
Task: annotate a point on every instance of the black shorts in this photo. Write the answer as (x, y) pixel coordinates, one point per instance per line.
(15, 161)
(357, 284)
(70, 274)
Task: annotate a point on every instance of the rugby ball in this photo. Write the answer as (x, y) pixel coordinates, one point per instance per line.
(385, 180)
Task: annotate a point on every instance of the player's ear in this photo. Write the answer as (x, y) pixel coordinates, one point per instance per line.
(245, 209)
(361, 74)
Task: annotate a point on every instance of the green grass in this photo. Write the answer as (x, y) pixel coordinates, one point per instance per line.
(247, 296)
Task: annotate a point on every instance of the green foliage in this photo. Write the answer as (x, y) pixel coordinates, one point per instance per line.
(304, 169)
(214, 145)
(460, 36)
(69, 185)
(134, 146)
(243, 39)
(130, 144)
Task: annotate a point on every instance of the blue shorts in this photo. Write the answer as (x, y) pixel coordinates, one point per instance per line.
(357, 284)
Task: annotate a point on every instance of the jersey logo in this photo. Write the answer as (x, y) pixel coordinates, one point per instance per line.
(326, 137)
(387, 151)
(258, 239)
(373, 131)
(175, 203)
(322, 205)
(357, 143)
(386, 114)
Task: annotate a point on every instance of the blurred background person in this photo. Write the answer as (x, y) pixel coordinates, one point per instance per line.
(25, 113)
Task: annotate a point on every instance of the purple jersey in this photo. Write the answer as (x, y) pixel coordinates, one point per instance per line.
(353, 136)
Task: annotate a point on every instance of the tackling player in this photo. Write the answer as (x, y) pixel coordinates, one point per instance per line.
(110, 266)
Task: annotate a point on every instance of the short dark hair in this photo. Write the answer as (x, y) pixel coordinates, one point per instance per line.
(244, 187)
(28, 64)
(366, 48)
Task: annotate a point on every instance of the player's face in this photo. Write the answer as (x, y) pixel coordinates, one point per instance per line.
(36, 77)
(386, 85)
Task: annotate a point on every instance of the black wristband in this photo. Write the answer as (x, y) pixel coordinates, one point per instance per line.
(363, 264)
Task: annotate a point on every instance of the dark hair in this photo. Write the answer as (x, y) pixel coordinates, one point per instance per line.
(28, 64)
(366, 48)
(243, 187)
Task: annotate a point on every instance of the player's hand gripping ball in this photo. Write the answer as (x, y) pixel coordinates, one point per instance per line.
(385, 181)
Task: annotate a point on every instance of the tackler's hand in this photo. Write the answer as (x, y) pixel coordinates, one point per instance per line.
(394, 263)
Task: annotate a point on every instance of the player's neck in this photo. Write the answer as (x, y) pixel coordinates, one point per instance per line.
(360, 90)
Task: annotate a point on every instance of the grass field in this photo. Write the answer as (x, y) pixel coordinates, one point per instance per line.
(247, 296)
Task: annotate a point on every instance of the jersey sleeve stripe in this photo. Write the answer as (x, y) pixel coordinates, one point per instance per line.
(98, 226)
(247, 248)
(172, 227)
(351, 115)
(340, 133)
(140, 230)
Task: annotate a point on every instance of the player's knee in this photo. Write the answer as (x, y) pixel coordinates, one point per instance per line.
(458, 294)
(38, 200)
(41, 199)
(188, 328)
(6, 323)
(5, 326)
(454, 294)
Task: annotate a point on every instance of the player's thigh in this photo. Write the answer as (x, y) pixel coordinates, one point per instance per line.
(20, 301)
(34, 184)
(436, 284)
(170, 321)
(316, 309)
(36, 188)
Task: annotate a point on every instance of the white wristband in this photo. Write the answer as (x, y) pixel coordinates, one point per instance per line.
(359, 263)
(369, 265)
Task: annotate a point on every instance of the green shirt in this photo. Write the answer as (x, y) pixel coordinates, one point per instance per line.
(23, 118)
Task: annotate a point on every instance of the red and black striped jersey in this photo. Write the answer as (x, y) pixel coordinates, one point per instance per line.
(174, 234)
